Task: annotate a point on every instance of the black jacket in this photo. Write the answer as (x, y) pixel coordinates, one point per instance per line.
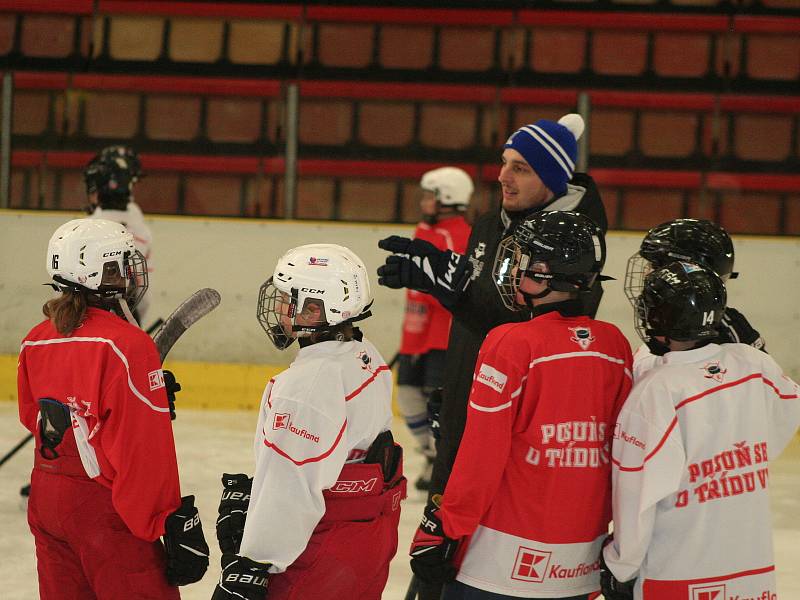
(480, 309)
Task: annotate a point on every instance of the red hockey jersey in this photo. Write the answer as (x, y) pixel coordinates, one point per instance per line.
(427, 323)
(531, 483)
(109, 375)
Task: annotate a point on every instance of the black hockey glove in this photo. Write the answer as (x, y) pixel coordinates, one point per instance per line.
(435, 399)
(187, 551)
(241, 579)
(233, 511)
(172, 388)
(419, 265)
(431, 551)
(612, 588)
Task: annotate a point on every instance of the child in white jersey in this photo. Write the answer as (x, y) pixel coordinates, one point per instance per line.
(323, 511)
(691, 450)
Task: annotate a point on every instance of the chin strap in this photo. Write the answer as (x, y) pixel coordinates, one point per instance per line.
(123, 304)
(529, 298)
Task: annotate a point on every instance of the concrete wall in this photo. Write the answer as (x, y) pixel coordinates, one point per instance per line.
(235, 256)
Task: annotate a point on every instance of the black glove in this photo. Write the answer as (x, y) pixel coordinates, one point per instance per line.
(612, 588)
(435, 399)
(233, 511)
(431, 551)
(172, 388)
(241, 579)
(187, 551)
(419, 265)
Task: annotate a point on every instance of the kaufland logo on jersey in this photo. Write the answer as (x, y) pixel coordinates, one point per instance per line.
(284, 421)
(156, 379)
(492, 377)
(281, 421)
(707, 591)
(531, 565)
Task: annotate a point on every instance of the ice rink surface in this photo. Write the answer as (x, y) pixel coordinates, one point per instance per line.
(210, 443)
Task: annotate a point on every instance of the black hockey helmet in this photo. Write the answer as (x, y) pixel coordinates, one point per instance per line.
(572, 245)
(690, 240)
(699, 241)
(111, 178)
(682, 302)
(126, 152)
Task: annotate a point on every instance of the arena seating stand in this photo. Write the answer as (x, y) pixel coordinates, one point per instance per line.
(695, 103)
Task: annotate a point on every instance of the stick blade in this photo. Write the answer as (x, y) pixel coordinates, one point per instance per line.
(194, 308)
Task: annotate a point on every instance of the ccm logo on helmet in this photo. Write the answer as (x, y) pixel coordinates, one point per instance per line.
(312, 291)
(110, 254)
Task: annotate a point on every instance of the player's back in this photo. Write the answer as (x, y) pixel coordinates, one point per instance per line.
(733, 412)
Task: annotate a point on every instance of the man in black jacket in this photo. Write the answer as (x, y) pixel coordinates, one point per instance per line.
(537, 174)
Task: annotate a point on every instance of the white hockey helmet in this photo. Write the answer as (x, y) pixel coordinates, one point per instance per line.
(331, 276)
(99, 256)
(451, 186)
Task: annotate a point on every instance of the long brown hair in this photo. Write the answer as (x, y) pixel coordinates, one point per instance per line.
(67, 312)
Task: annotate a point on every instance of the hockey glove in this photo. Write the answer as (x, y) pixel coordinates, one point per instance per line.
(421, 266)
(612, 588)
(233, 511)
(187, 551)
(172, 388)
(241, 578)
(435, 399)
(431, 551)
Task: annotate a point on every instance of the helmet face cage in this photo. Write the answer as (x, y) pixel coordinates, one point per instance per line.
(509, 266)
(136, 278)
(638, 268)
(272, 305)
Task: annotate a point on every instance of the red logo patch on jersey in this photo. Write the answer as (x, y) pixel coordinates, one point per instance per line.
(281, 421)
(156, 379)
(531, 565)
(707, 592)
(714, 371)
(582, 336)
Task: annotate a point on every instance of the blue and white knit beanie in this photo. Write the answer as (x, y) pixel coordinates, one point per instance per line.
(550, 148)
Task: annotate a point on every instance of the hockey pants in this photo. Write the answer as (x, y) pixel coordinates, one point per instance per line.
(349, 552)
(84, 551)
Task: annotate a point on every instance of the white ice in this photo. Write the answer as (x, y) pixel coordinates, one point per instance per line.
(210, 443)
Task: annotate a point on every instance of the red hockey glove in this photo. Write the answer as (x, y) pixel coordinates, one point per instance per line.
(431, 550)
(241, 579)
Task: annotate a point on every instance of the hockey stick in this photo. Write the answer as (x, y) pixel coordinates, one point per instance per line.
(156, 324)
(16, 449)
(194, 308)
(413, 587)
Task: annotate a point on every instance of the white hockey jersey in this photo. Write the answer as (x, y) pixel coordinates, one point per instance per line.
(325, 410)
(690, 474)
